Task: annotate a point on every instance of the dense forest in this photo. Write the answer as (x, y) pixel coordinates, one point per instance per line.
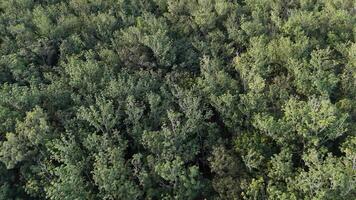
(177, 99)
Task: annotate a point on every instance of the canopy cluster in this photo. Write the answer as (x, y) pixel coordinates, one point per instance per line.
(177, 99)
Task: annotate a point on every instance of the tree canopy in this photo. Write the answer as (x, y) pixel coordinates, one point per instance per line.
(177, 99)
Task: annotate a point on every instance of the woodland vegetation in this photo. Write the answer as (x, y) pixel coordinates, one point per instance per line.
(177, 99)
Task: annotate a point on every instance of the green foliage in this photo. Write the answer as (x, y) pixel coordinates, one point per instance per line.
(110, 172)
(26, 142)
(177, 99)
(68, 185)
(327, 178)
(314, 122)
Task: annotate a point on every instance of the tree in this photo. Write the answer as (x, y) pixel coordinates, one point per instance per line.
(177, 99)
